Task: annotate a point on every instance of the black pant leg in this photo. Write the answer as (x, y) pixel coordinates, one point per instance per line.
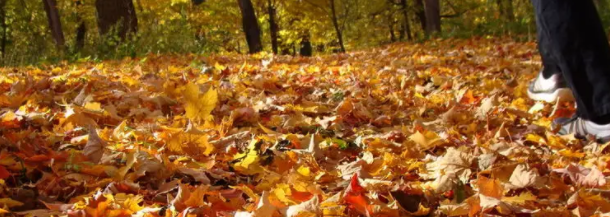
(549, 65)
(578, 43)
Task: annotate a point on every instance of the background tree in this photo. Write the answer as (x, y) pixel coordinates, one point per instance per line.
(273, 26)
(50, 7)
(333, 9)
(250, 25)
(206, 26)
(433, 16)
(81, 30)
(119, 14)
(420, 11)
(3, 25)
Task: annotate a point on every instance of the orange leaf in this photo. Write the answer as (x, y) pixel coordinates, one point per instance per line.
(490, 187)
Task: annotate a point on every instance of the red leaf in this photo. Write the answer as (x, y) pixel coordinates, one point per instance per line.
(355, 187)
(354, 196)
(357, 202)
(4, 173)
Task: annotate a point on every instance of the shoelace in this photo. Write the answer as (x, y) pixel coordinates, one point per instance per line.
(570, 125)
(576, 126)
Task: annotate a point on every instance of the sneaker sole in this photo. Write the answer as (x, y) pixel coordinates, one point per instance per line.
(564, 94)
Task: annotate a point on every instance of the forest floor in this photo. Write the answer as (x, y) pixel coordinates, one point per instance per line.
(440, 128)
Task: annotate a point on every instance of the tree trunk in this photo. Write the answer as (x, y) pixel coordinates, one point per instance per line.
(433, 16)
(421, 14)
(116, 14)
(510, 12)
(392, 35)
(336, 24)
(273, 27)
(250, 25)
(3, 26)
(401, 31)
(81, 30)
(50, 7)
(500, 5)
(405, 11)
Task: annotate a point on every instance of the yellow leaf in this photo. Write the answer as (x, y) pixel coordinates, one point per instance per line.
(426, 140)
(175, 143)
(535, 138)
(303, 170)
(179, 142)
(249, 161)
(93, 106)
(570, 153)
(520, 199)
(10, 202)
(199, 107)
(282, 192)
(266, 130)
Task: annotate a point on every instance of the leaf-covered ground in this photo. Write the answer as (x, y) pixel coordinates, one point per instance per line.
(441, 128)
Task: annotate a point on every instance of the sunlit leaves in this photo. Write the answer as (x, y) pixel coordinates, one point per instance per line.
(404, 130)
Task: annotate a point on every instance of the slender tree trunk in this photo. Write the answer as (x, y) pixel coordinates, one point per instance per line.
(510, 12)
(250, 25)
(421, 14)
(401, 30)
(336, 24)
(433, 16)
(500, 5)
(3, 26)
(273, 27)
(392, 35)
(50, 6)
(81, 30)
(119, 14)
(407, 25)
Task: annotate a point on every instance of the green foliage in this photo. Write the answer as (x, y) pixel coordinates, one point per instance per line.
(179, 26)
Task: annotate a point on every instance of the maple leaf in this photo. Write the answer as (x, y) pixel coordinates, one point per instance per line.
(94, 149)
(199, 107)
(524, 177)
(490, 187)
(196, 197)
(583, 176)
(520, 199)
(307, 208)
(354, 196)
(264, 207)
(427, 140)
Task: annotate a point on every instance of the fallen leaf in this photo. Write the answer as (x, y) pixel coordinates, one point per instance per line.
(307, 208)
(94, 149)
(4, 173)
(524, 177)
(198, 107)
(490, 187)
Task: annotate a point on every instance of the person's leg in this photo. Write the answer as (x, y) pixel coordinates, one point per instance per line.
(549, 85)
(578, 43)
(550, 67)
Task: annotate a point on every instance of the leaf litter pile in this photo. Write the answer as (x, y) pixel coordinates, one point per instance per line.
(442, 128)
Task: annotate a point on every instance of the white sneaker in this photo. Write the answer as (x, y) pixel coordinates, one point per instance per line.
(549, 89)
(581, 128)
